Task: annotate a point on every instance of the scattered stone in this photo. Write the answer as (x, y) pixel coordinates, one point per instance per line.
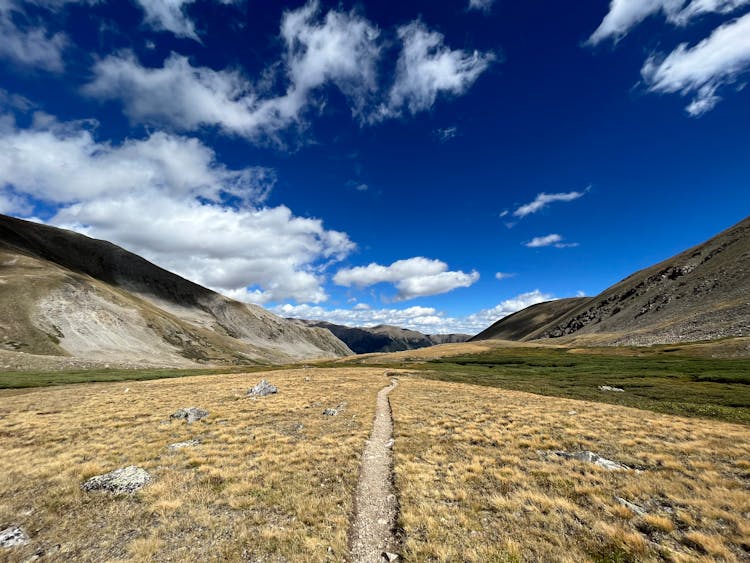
(187, 444)
(606, 388)
(390, 557)
(634, 508)
(263, 389)
(591, 457)
(335, 412)
(126, 480)
(13, 536)
(190, 414)
(571, 413)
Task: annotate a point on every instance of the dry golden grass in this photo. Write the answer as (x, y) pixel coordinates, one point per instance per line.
(272, 480)
(474, 484)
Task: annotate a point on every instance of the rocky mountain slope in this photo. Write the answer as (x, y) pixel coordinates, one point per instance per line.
(520, 324)
(384, 338)
(700, 294)
(65, 294)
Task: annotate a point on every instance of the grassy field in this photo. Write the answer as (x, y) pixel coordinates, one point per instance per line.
(30, 379)
(272, 480)
(652, 379)
(476, 483)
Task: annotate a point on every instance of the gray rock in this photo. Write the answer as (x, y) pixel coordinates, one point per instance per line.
(336, 411)
(187, 444)
(607, 388)
(126, 480)
(263, 389)
(634, 508)
(390, 557)
(591, 457)
(13, 536)
(190, 414)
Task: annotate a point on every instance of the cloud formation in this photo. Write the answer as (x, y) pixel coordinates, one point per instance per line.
(715, 62)
(427, 68)
(623, 15)
(341, 49)
(549, 240)
(29, 45)
(169, 15)
(542, 200)
(483, 5)
(167, 198)
(414, 277)
(427, 320)
(700, 71)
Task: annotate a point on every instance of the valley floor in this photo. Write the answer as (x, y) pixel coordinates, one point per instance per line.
(274, 478)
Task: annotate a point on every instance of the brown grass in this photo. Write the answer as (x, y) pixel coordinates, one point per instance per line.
(475, 485)
(273, 479)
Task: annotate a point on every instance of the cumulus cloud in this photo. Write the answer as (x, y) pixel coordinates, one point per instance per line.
(415, 277)
(167, 198)
(427, 320)
(700, 71)
(542, 200)
(427, 68)
(549, 240)
(623, 15)
(483, 5)
(340, 49)
(30, 45)
(503, 275)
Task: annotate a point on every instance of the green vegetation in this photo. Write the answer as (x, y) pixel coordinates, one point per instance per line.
(26, 379)
(652, 379)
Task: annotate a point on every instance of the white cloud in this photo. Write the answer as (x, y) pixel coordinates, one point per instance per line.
(427, 68)
(170, 15)
(542, 200)
(718, 60)
(414, 277)
(623, 15)
(504, 275)
(427, 320)
(549, 240)
(30, 45)
(484, 5)
(165, 197)
(340, 49)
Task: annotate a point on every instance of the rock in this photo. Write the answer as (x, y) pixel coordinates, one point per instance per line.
(390, 557)
(606, 388)
(13, 536)
(190, 414)
(335, 412)
(634, 508)
(591, 457)
(180, 445)
(263, 389)
(126, 480)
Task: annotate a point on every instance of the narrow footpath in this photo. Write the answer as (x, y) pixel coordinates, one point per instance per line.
(376, 509)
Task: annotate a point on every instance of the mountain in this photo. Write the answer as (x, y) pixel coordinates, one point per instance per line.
(384, 338)
(700, 294)
(522, 323)
(65, 294)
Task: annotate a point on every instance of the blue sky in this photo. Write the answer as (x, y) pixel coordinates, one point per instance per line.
(435, 165)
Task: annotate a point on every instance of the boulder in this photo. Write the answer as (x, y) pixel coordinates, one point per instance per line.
(634, 508)
(13, 536)
(335, 411)
(263, 389)
(126, 480)
(608, 388)
(190, 414)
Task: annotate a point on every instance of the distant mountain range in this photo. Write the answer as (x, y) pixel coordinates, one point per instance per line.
(384, 338)
(700, 294)
(65, 294)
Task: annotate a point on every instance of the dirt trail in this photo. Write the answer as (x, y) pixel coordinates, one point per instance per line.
(375, 504)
